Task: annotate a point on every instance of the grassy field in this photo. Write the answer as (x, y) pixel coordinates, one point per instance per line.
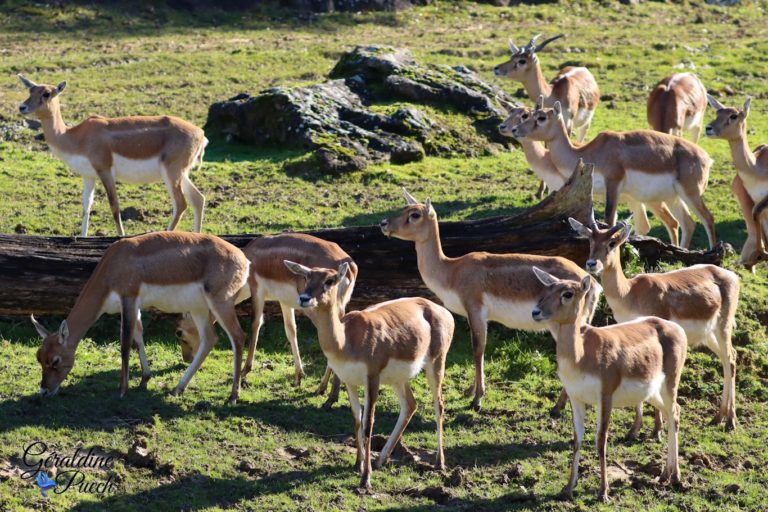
(276, 449)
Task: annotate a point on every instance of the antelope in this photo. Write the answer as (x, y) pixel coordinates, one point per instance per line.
(271, 280)
(616, 366)
(388, 343)
(573, 87)
(541, 163)
(172, 271)
(702, 299)
(136, 149)
(648, 167)
(677, 104)
(479, 286)
(750, 186)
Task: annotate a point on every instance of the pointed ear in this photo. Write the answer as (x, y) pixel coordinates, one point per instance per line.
(514, 49)
(745, 109)
(342, 272)
(409, 198)
(63, 333)
(558, 109)
(545, 278)
(299, 270)
(540, 102)
(27, 83)
(579, 227)
(586, 283)
(60, 88)
(714, 103)
(41, 330)
(430, 211)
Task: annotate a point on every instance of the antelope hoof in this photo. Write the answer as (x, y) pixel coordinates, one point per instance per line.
(476, 405)
(439, 464)
(379, 462)
(730, 423)
(232, 400)
(143, 384)
(566, 494)
(716, 420)
(602, 497)
(177, 391)
(470, 390)
(321, 389)
(656, 435)
(631, 436)
(555, 411)
(365, 481)
(297, 378)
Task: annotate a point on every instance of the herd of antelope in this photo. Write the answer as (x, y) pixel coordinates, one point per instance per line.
(637, 360)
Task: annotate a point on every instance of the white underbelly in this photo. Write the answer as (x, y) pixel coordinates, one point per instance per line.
(449, 298)
(693, 121)
(587, 388)
(513, 314)
(284, 293)
(398, 371)
(646, 187)
(757, 189)
(177, 298)
(351, 373)
(129, 170)
(697, 331)
(78, 163)
(583, 116)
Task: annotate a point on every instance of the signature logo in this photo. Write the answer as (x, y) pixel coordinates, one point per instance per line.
(44, 483)
(87, 471)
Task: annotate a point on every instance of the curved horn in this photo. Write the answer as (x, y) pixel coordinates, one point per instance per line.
(409, 198)
(27, 83)
(592, 221)
(530, 46)
(514, 49)
(547, 41)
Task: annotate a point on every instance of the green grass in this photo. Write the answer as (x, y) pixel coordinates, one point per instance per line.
(151, 60)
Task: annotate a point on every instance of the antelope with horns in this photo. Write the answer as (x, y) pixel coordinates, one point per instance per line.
(702, 299)
(750, 186)
(620, 365)
(648, 167)
(677, 104)
(137, 149)
(478, 286)
(174, 272)
(574, 87)
(271, 280)
(388, 343)
(541, 163)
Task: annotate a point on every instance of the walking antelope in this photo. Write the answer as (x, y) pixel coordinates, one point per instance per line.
(479, 286)
(574, 87)
(750, 186)
(677, 104)
(388, 343)
(541, 163)
(646, 166)
(616, 366)
(173, 272)
(137, 149)
(271, 280)
(702, 299)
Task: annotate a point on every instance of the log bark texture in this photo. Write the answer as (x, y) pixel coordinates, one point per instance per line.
(44, 275)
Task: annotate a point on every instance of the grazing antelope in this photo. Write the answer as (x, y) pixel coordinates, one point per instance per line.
(702, 299)
(750, 186)
(677, 104)
(541, 163)
(574, 87)
(479, 286)
(271, 280)
(388, 343)
(137, 149)
(647, 166)
(620, 365)
(172, 271)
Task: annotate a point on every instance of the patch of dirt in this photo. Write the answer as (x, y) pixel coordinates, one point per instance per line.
(290, 453)
(440, 495)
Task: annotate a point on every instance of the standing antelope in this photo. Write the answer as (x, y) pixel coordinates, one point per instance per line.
(388, 343)
(646, 166)
(677, 104)
(172, 271)
(750, 186)
(574, 87)
(616, 366)
(541, 163)
(479, 286)
(137, 149)
(271, 280)
(702, 299)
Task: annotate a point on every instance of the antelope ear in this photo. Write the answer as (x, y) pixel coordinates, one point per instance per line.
(626, 229)
(342, 272)
(579, 227)
(63, 333)
(41, 330)
(545, 278)
(558, 109)
(430, 211)
(60, 88)
(27, 83)
(714, 103)
(409, 198)
(586, 283)
(745, 109)
(296, 268)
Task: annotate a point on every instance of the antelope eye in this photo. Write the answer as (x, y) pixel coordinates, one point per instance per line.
(46, 95)
(541, 119)
(611, 245)
(329, 282)
(415, 215)
(734, 116)
(524, 116)
(568, 295)
(521, 61)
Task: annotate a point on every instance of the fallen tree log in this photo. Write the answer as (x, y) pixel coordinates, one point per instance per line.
(44, 275)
